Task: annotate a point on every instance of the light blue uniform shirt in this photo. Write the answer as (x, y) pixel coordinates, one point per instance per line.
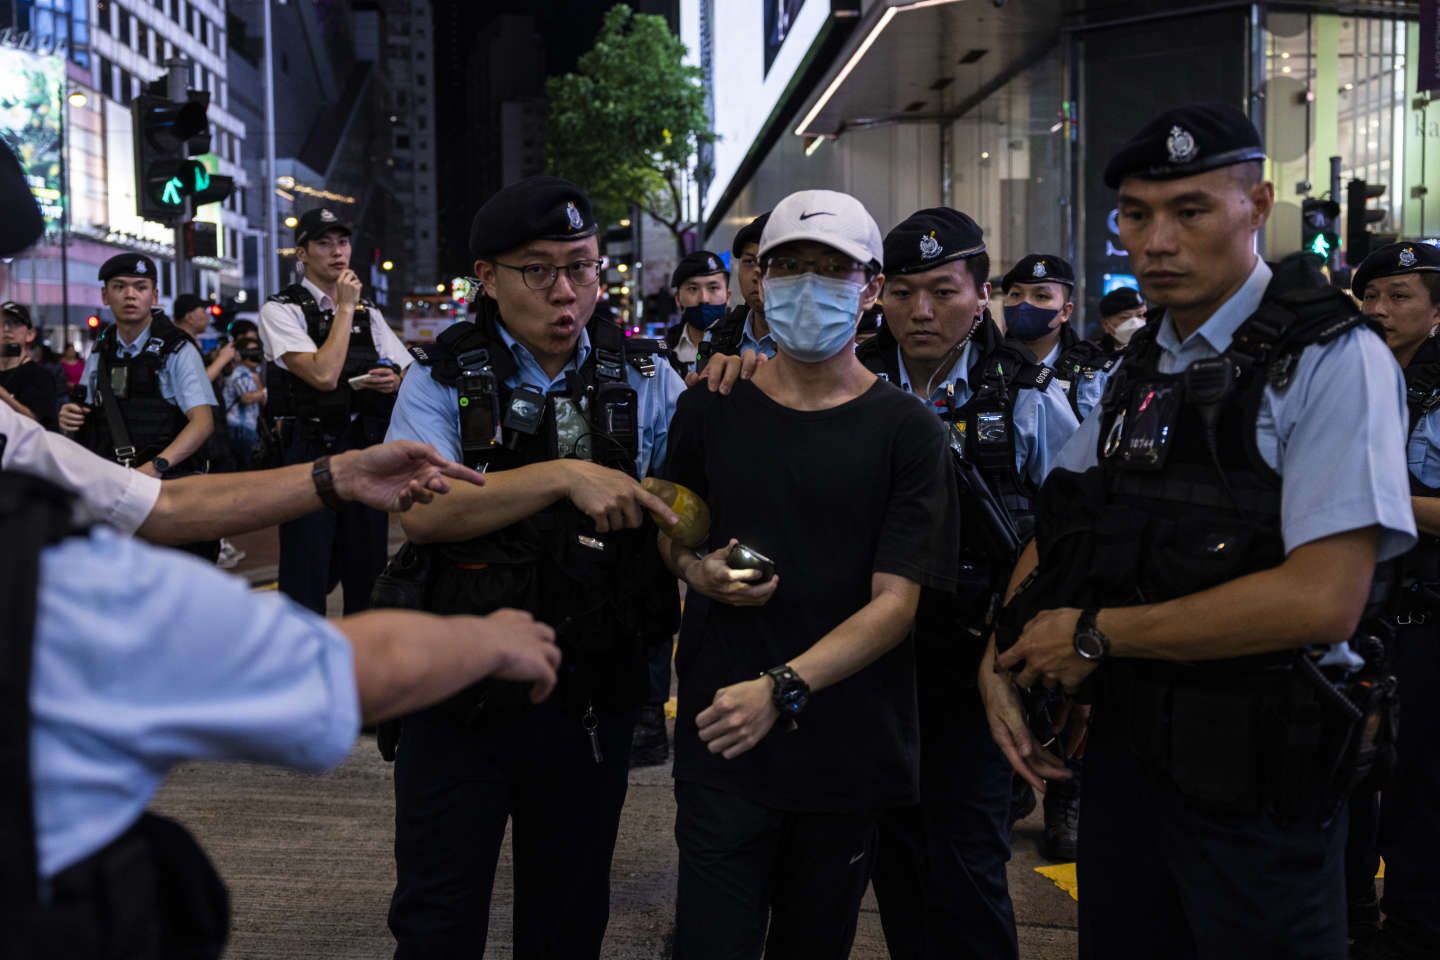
(1043, 420)
(428, 411)
(174, 661)
(182, 378)
(1336, 433)
(1423, 449)
(1088, 389)
(765, 344)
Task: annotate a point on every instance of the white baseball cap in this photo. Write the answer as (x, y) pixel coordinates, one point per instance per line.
(825, 216)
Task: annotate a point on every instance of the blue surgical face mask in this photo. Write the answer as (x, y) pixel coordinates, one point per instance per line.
(1026, 322)
(703, 316)
(812, 317)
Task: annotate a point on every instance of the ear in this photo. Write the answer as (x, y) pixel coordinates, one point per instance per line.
(984, 298)
(871, 293)
(1067, 311)
(1262, 202)
(105, 294)
(485, 273)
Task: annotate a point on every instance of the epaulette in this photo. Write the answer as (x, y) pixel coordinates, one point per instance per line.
(640, 353)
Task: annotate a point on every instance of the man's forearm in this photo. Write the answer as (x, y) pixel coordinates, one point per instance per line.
(405, 661)
(508, 497)
(193, 437)
(1427, 514)
(1315, 597)
(863, 638)
(216, 505)
(217, 367)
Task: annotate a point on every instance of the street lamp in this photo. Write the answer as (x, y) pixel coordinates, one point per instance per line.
(439, 288)
(388, 265)
(291, 222)
(78, 99)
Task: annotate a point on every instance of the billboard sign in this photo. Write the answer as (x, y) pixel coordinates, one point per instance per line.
(30, 115)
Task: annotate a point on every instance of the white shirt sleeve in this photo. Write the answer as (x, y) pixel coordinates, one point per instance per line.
(387, 344)
(282, 331)
(107, 492)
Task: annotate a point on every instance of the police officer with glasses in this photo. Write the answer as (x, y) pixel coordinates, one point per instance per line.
(744, 328)
(940, 864)
(1399, 288)
(1205, 549)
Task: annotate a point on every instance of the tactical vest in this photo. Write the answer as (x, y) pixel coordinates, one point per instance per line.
(1180, 501)
(291, 396)
(994, 500)
(601, 592)
(1080, 360)
(151, 421)
(150, 894)
(1418, 593)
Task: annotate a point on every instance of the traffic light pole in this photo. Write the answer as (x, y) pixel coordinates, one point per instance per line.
(177, 83)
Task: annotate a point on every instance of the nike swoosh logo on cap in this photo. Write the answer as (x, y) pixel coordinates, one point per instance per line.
(817, 213)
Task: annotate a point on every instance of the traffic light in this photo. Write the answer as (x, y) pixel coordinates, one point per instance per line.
(202, 239)
(1319, 226)
(92, 326)
(167, 134)
(1359, 216)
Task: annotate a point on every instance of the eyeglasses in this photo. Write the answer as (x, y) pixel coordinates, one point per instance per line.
(542, 276)
(836, 268)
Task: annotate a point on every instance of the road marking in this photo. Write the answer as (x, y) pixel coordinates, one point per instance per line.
(1063, 876)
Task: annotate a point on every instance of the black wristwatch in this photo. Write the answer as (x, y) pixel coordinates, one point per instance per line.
(1090, 643)
(791, 694)
(162, 466)
(325, 484)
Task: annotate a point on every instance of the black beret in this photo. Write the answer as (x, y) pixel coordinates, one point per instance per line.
(318, 222)
(1184, 141)
(1119, 300)
(185, 303)
(928, 238)
(1393, 260)
(750, 233)
(128, 265)
(22, 224)
(536, 208)
(700, 263)
(1039, 268)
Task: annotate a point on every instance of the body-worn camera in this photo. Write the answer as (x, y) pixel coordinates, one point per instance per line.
(742, 557)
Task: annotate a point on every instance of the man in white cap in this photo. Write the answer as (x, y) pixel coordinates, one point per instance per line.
(797, 717)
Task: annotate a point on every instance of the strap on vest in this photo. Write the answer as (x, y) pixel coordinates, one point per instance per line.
(124, 450)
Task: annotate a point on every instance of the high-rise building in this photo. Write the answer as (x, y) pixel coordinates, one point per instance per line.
(409, 62)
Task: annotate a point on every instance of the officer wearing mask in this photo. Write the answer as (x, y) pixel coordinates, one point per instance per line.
(744, 329)
(1206, 547)
(940, 866)
(566, 416)
(334, 368)
(147, 402)
(702, 289)
(1399, 288)
(1038, 310)
(27, 386)
(1122, 315)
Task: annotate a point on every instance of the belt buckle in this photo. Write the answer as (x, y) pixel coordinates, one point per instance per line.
(125, 456)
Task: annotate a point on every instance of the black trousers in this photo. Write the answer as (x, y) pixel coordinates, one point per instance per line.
(743, 865)
(940, 865)
(455, 789)
(1159, 878)
(1410, 808)
(328, 547)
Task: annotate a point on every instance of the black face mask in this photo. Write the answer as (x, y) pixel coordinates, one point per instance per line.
(703, 316)
(10, 350)
(253, 354)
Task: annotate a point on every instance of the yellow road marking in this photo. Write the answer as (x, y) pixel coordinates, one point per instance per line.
(1063, 876)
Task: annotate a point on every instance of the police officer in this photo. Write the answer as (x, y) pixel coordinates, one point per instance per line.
(1122, 315)
(744, 329)
(335, 366)
(1399, 288)
(1038, 311)
(940, 867)
(701, 283)
(566, 417)
(1206, 548)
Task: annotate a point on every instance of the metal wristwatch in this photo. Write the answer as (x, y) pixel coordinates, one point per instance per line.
(791, 694)
(1090, 643)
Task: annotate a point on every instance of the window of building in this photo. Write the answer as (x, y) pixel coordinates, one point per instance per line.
(419, 79)
(127, 88)
(107, 78)
(175, 10)
(122, 32)
(204, 31)
(102, 15)
(189, 18)
(142, 39)
(421, 122)
(402, 142)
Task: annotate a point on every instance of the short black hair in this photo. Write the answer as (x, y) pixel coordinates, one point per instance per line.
(1431, 280)
(978, 267)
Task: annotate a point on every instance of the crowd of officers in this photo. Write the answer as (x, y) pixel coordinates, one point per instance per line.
(960, 556)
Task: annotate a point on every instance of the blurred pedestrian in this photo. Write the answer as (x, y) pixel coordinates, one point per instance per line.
(23, 379)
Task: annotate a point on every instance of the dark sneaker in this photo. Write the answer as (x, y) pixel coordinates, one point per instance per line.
(650, 746)
(1022, 800)
(1062, 819)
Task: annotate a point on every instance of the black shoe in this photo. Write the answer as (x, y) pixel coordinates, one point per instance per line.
(1363, 920)
(1022, 800)
(650, 746)
(1062, 820)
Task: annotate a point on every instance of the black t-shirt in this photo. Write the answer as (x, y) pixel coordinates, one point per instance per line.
(34, 386)
(831, 496)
